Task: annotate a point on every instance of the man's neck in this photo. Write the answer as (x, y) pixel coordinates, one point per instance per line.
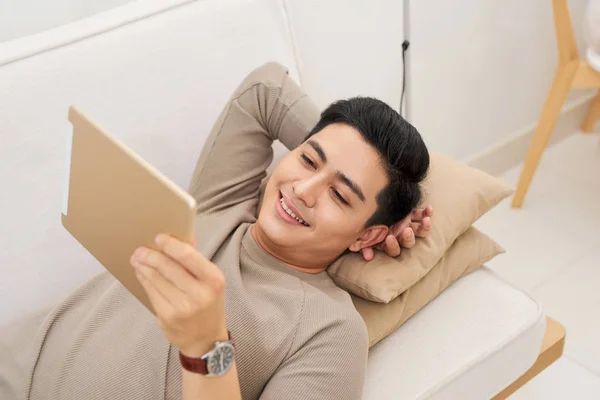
(271, 249)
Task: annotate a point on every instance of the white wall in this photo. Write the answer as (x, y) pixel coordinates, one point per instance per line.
(348, 48)
(20, 18)
(480, 70)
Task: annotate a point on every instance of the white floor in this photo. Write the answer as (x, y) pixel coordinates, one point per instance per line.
(553, 252)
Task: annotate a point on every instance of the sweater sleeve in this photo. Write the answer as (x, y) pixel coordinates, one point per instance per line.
(329, 365)
(267, 106)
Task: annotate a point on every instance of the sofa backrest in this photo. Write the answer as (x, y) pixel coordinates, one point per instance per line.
(155, 73)
(157, 83)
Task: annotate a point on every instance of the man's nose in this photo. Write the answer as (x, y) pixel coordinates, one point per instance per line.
(307, 189)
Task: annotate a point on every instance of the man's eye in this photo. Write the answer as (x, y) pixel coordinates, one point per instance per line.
(339, 196)
(309, 161)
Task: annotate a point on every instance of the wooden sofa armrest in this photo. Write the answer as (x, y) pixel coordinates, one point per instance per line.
(552, 348)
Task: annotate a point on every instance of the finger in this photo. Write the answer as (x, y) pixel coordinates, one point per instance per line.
(399, 226)
(407, 240)
(392, 247)
(425, 227)
(368, 253)
(169, 269)
(159, 303)
(186, 255)
(419, 213)
(422, 228)
(162, 286)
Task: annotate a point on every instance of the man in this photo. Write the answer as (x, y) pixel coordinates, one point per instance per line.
(260, 281)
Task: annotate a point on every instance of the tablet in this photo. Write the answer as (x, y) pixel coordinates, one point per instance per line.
(114, 201)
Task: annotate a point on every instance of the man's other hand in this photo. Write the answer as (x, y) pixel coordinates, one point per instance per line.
(403, 234)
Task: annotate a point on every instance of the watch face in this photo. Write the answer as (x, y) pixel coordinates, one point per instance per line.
(221, 359)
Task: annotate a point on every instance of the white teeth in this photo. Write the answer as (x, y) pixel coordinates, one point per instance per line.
(290, 213)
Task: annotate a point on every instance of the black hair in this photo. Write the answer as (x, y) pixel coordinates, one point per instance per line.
(403, 152)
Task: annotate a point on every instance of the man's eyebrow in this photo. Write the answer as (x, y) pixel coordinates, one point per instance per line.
(340, 175)
(353, 186)
(315, 145)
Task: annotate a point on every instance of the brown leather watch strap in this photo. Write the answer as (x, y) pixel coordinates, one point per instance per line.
(198, 365)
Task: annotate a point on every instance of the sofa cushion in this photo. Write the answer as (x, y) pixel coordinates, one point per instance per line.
(475, 339)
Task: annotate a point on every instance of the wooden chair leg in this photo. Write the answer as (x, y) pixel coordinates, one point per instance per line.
(554, 102)
(593, 116)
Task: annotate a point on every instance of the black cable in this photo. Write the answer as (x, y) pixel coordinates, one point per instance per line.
(405, 45)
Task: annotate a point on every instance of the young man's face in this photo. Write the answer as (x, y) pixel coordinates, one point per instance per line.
(330, 182)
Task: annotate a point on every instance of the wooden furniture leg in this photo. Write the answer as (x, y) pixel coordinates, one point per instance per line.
(568, 65)
(552, 348)
(593, 116)
(572, 72)
(554, 102)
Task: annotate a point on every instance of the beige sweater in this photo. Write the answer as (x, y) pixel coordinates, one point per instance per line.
(297, 335)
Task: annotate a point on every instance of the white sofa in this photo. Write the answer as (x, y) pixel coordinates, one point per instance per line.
(156, 73)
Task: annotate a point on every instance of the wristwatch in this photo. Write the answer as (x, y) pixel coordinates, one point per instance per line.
(214, 363)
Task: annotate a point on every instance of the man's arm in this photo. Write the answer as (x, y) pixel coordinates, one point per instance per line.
(331, 365)
(187, 292)
(267, 106)
(195, 386)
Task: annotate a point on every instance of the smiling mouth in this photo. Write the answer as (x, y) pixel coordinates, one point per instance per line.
(290, 213)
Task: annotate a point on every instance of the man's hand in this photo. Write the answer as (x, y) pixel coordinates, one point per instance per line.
(186, 291)
(403, 234)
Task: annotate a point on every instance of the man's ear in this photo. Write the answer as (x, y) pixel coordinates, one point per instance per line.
(370, 237)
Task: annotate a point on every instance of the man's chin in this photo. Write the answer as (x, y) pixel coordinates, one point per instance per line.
(279, 233)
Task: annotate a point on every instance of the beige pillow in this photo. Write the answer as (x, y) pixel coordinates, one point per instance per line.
(459, 195)
(471, 250)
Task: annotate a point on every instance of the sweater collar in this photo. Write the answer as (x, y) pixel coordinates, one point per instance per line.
(268, 261)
